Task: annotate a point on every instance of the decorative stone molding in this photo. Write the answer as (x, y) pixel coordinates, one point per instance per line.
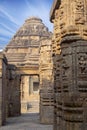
(69, 47)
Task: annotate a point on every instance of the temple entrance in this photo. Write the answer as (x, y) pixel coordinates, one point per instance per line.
(29, 93)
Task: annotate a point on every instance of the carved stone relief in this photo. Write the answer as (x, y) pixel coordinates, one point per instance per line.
(80, 12)
(82, 64)
(65, 67)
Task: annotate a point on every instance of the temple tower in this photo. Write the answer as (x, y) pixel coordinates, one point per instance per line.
(23, 52)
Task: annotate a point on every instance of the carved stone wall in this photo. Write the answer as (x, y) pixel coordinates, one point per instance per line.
(46, 82)
(69, 47)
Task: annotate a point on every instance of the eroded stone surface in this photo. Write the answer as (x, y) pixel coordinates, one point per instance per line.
(46, 82)
(69, 47)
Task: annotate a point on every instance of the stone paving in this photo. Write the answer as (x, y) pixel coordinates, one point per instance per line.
(28, 121)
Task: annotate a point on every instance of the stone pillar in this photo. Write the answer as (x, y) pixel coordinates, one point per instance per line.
(73, 84)
(69, 57)
(25, 82)
(3, 86)
(46, 82)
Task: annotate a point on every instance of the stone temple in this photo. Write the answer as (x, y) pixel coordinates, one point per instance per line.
(23, 52)
(26, 62)
(47, 72)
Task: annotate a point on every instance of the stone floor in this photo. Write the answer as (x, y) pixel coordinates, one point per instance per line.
(28, 121)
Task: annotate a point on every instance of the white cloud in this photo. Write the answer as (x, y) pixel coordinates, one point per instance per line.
(7, 28)
(5, 32)
(3, 38)
(5, 12)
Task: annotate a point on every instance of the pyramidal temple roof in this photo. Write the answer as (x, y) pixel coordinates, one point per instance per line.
(32, 27)
(23, 49)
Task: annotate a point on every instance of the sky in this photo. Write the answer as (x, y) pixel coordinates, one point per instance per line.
(13, 13)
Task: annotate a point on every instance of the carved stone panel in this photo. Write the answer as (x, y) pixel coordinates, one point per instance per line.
(79, 13)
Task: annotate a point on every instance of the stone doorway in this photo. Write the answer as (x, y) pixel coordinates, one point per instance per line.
(29, 93)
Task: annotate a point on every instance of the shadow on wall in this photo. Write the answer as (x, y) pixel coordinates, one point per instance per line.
(14, 103)
(70, 85)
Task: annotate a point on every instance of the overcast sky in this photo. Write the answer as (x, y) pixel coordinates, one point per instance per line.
(13, 13)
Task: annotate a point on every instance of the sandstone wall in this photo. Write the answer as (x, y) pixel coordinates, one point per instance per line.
(46, 82)
(69, 47)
